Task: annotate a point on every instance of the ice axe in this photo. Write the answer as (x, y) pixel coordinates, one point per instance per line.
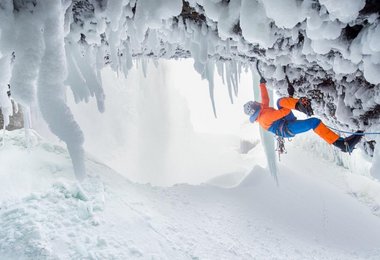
(258, 70)
(290, 85)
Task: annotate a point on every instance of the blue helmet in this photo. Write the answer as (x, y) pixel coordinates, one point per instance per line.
(252, 109)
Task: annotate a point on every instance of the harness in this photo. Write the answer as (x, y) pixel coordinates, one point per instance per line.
(281, 132)
(283, 129)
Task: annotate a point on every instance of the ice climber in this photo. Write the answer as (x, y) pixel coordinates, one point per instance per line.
(282, 122)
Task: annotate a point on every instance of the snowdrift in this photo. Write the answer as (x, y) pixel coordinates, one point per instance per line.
(44, 214)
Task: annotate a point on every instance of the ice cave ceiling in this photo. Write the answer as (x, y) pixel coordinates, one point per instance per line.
(330, 49)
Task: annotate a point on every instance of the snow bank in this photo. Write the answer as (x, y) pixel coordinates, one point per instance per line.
(313, 214)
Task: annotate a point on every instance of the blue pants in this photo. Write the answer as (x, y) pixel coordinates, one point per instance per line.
(289, 126)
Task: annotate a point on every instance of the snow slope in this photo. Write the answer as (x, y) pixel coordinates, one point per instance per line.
(45, 215)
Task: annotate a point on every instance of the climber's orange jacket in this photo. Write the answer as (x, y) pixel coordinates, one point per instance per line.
(268, 114)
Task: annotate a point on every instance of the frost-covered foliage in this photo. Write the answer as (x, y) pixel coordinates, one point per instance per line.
(329, 48)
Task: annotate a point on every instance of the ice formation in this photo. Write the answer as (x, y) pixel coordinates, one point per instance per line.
(330, 49)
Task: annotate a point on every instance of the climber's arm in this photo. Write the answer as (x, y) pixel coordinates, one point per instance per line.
(264, 95)
(278, 114)
(288, 102)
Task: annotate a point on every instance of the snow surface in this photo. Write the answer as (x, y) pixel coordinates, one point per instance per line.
(319, 211)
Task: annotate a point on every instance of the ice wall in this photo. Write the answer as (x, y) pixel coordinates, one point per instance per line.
(267, 138)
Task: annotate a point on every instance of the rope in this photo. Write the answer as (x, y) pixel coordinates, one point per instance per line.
(353, 133)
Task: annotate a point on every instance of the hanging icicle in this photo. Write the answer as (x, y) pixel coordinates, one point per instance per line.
(228, 79)
(210, 67)
(234, 77)
(51, 90)
(266, 137)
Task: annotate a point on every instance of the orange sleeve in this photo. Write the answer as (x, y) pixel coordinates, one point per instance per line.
(288, 102)
(277, 114)
(270, 115)
(264, 95)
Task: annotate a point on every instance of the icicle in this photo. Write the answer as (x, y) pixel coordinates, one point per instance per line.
(152, 42)
(126, 60)
(28, 57)
(114, 12)
(234, 77)
(113, 41)
(228, 47)
(8, 35)
(75, 78)
(27, 125)
(27, 62)
(144, 64)
(269, 148)
(5, 102)
(210, 77)
(239, 72)
(15, 106)
(51, 90)
(99, 63)
(266, 137)
(228, 79)
(255, 82)
(203, 53)
(100, 53)
(93, 79)
(220, 70)
(85, 65)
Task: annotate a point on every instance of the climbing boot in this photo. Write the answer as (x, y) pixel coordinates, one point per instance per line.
(347, 145)
(304, 105)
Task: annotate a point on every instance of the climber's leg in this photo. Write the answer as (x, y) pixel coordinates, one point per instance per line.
(301, 126)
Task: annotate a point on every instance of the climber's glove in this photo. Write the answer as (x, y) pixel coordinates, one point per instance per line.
(304, 105)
